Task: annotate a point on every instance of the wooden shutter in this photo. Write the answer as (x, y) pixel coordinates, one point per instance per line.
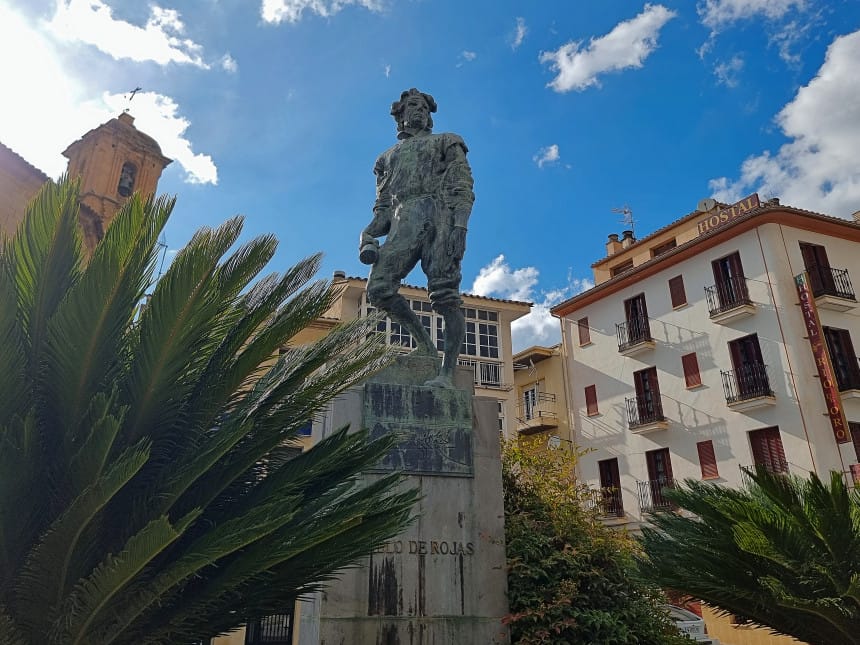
(609, 477)
(767, 449)
(676, 291)
(591, 400)
(584, 331)
(691, 370)
(659, 465)
(707, 459)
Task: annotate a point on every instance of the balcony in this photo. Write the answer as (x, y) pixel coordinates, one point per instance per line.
(538, 415)
(652, 495)
(777, 468)
(487, 373)
(645, 415)
(831, 287)
(747, 388)
(848, 378)
(729, 300)
(634, 336)
(607, 501)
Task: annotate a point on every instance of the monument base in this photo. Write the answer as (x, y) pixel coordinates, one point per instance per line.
(443, 581)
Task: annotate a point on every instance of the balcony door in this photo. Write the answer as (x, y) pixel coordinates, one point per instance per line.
(530, 399)
(767, 450)
(636, 314)
(730, 281)
(816, 264)
(748, 365)
(844, 359)
(659, 476)
(647, 395)
(610, 488)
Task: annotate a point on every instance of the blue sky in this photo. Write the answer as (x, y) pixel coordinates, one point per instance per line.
(277, 109)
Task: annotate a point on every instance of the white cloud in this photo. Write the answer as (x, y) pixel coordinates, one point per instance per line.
(469, 56)
(548, 155)
(539, 327)
(57, 111)
(716, 14)
(519, 33)
(388, 71)
(160, 40)
(627, 45)
(727, 72)
(229, 64)
(277, 11)
(817, 169)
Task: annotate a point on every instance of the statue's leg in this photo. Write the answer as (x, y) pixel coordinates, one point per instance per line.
(393, 265)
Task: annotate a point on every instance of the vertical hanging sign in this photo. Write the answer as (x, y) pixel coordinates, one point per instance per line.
(835, 411)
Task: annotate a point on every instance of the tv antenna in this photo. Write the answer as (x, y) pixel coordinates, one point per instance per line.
(162, 244)
(626, 217)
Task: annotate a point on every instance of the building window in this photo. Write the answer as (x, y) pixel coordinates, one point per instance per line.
(610, 488)
(501, 403)
(843, 358)
(621, 268)
(730, 289)
(652, 493)
(749, 377)
(676, 291)
(767, 450)
(663, 248)
(690, 363)
(591, 400)
(647, 406)
(530, 399)
(707, 459)
(635, 329)
(127, 176)
(584, 331)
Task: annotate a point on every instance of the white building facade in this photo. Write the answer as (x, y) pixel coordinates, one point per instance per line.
(690, 358)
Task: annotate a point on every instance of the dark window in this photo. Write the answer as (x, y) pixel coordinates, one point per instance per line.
(731, 285)
(707, 459)
(659, 465)
(854, 429)
(636, 314)
(676, 291)
(610, 488)
(591, 400)
(652, 494)
(663, 248)
(691, 370)
(648, 405)
(127, 176)
(584, 331)
(271, 630)
(767, 450)
(621, 268)
(817, 265)
(749, 376)
(844, 359)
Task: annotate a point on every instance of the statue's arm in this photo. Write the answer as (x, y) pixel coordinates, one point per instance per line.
(381, 222)
(458, 181)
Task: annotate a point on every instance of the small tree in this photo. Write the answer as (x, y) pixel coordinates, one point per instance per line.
(784, 553)
(570, 578)
(150, 490)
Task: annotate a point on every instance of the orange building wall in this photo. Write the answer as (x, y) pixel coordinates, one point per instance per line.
(19, 182)
(721, 628)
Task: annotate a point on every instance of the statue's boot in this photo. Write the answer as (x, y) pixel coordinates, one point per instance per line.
(400, 311)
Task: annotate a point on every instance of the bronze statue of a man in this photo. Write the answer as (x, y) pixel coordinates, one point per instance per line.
(423, 202)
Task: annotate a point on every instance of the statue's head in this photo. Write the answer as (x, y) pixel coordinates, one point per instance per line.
(412, 112)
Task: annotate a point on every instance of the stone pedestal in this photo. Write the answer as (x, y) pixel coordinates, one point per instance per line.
(443, 581)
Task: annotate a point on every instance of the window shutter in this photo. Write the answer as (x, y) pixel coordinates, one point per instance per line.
(584, 331)
(676, 291)
(707, 459)
(591, 400)
(767, 449)
(691, 370)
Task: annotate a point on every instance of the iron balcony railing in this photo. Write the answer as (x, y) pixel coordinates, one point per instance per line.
(747, 382)
(633, 331)
(641, 411)
(606, 501)
(827, 281)
(271, 630)
(652, 495)
(727, 295)
(487, 373)
(778, 467)
(848, 374)
(542, 406)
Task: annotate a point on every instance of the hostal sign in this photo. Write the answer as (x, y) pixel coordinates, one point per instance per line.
(726, 215)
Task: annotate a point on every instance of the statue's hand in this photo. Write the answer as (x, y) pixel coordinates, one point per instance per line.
(457, 242)
(368, 253)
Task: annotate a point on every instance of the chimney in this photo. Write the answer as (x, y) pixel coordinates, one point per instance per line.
(773, 201)
(627, 240)
(126, 118)
(339, 275)
(613, 246)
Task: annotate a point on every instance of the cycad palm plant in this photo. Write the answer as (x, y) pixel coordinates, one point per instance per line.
(150, 490)
(784, 553)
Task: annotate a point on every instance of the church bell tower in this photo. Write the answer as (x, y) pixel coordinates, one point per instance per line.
(113, 161)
